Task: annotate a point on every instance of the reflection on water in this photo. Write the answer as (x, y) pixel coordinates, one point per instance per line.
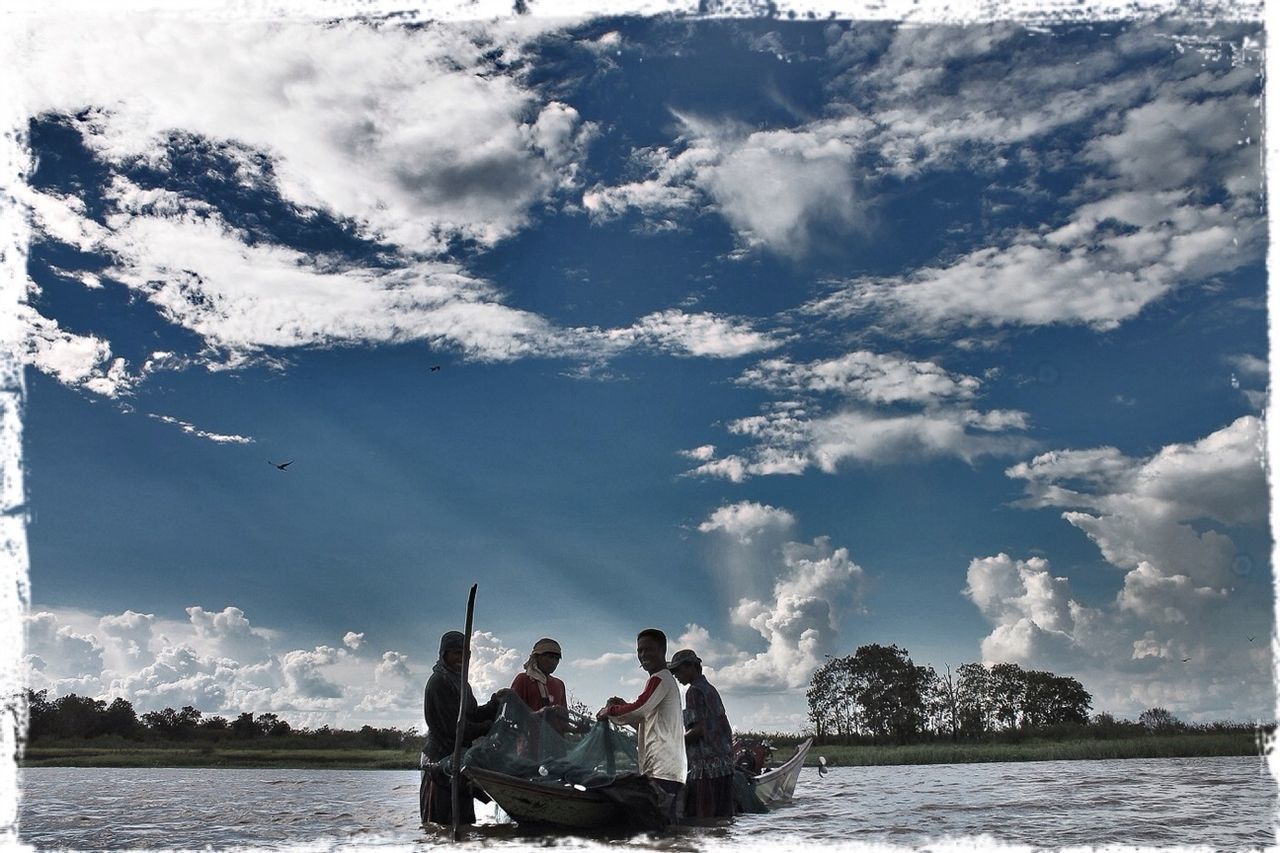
(1224, 803)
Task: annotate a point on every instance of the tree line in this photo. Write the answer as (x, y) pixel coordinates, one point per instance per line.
(879, 694)
(82, 717)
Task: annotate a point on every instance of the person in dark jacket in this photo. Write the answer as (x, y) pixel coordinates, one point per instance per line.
(440, 707)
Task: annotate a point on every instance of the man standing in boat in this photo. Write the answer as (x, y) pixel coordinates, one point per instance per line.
(445, 690)
(656, 716)
(708, 741)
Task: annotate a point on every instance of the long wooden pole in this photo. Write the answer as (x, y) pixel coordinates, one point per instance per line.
(456, 786)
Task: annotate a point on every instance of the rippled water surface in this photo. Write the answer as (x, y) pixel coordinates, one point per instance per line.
(1223, 803)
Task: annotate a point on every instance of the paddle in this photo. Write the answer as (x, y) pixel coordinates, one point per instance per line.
(456, 788)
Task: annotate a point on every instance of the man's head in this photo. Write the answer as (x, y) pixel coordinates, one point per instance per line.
(685, 665)
(452, 649)
(651, 650)
(546, 654)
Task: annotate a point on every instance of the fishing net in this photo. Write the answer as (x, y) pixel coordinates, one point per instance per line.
(556, 747)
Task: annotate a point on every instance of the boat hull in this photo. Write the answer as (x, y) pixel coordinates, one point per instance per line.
(531, 803)
(777, 786)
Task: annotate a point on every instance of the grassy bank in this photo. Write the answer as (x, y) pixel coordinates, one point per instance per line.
(1151, 746)
(232, 754)
(204, 755)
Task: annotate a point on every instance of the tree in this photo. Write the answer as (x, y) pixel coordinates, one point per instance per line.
(972, 692)
(78, 716)
(120, 719)
(1006, 689)
(832, 707)
(245, 726)
(1159, 721)
(947, 699)
(889, 690)
(40, 714)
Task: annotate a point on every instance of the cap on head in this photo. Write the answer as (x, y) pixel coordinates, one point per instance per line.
(683, 657)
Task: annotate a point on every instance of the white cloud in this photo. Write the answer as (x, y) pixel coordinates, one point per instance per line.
(493, 664)
(745, 519)
(303, 675)
(83, 361)
(192, 429)
(1174, 632)
(793, 595)
(706, 335)
(228, 632)
(863, 375)
(788, 440)
(352, 640)
(353, 108)
(800, 621)
(778, 189)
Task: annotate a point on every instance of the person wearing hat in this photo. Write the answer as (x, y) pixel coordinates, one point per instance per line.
(656, 716)
(536, 685)
(708, 741)
(445, 690)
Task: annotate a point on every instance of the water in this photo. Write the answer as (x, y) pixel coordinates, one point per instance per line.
(1221, 803)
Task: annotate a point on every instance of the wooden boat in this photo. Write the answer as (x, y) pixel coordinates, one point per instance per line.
(777, 786)
(582, 808)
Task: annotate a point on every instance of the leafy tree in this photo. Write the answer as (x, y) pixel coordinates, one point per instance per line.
(1006, 691)
(889, 690)
(40, 714)
(245, 726)
(119, 718)
(78, 716)
(1159, 721)
(214, 724)
(832, 706)
(973, 688)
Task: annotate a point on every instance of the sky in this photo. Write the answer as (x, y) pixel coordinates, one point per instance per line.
(783, 336)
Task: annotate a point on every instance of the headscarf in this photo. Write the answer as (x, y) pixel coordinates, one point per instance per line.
(544, 646)
(451, 641)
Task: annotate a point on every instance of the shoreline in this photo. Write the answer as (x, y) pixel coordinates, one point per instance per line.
(237, 756)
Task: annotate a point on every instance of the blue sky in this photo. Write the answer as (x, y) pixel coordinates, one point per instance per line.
(784, 337)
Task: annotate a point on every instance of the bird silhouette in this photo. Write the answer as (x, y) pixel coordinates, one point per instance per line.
(1251, 639)
(434, 368)
(280, 465)
(1184, 660)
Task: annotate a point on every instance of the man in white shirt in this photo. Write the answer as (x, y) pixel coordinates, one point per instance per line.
(657, 718)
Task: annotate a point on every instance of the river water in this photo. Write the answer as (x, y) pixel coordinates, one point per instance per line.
(1220, 803)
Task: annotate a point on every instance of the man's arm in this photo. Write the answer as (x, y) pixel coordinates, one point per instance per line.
(634, 712)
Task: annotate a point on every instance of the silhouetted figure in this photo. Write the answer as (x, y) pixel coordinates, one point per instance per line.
(434, 368)
(280, 465)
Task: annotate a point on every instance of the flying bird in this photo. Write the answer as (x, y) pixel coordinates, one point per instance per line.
(280, 465)
(1184, 660)
(434, 368)
(1251, 639)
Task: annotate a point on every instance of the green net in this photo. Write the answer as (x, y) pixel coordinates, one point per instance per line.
(555, 747)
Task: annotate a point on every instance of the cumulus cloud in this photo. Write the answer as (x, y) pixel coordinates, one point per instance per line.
(800, 621)
(745, 519)
(790, 440)
(1172, 634)
(778, 189)
(793, 595)
(493, 664)
(864, 375)
(352, 640)
(354, 107)
(220, 663)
